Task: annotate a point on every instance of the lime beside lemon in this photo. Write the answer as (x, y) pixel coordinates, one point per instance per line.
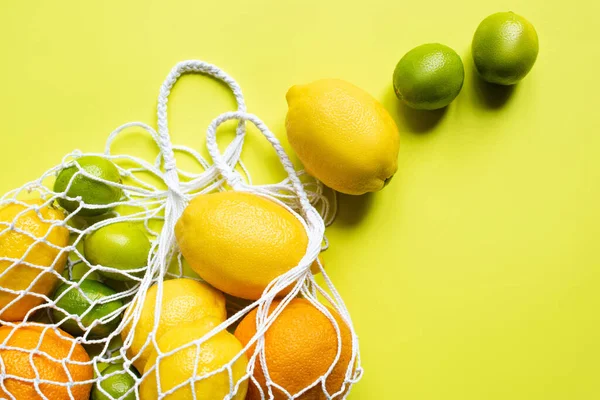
(505, 47)
(117, 385)
(429, 76)
(123, 247)
(92, 191)
(78, 302)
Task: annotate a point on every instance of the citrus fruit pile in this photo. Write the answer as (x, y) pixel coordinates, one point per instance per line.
(201, 285)
(121, 287)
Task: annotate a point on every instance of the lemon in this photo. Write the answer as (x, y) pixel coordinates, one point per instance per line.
(78, 302)
(92, 191)
(429, 76)
(239, 242)
(117, 385)
(505, 47)
(183, 300)
(343, 136)
(179, 367)
(49, 258)
(122, 246)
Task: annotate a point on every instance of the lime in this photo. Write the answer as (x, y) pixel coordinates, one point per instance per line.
(116, 385)
(505, 47)
(76, 303)
(122, 246)
(92, 191)
(101, 367)
(429, 76)
(78, 271)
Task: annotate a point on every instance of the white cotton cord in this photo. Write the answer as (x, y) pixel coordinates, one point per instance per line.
(155, 194)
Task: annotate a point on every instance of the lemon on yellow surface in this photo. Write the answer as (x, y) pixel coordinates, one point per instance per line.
(15, 245)
(183, 301)
(505, 47)
(58, 346)
(239, 242)
(122, 246)
(92, 191)
(429, 76)
(300, 347)
(179, 367)
(343, 136)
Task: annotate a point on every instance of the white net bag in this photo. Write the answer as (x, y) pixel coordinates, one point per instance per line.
(71, 325)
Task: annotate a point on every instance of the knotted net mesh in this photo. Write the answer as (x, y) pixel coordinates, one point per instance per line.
(42, 247)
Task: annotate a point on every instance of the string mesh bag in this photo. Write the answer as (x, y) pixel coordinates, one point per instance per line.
(41, 248)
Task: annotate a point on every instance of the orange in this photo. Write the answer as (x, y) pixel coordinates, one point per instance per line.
(239, 242)
(300, 347)
(15, 245)
(56, 345)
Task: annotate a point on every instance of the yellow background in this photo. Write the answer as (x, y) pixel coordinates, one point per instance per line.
(476, 273)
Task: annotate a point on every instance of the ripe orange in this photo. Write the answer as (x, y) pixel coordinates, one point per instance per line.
(300, 346)
(14, 245)
(57, 345)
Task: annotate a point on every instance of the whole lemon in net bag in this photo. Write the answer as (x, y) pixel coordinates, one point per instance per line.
(183, 301)
(34, 249)
(239, 242)
(191, 360)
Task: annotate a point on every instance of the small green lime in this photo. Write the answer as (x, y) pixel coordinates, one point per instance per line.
(505, 47)
(121, 246)
(101, 367)
(76, 303)
(429, 77)
(78, 271)
(91, 191)
(117, 385)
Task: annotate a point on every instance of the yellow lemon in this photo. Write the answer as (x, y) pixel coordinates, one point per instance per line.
(15, 245)
(183, 301)
(343, 136)
(179, 367)
(239, 242)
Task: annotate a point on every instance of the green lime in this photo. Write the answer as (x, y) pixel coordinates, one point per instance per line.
(505, 47)
(429, 76)
(76, 303)
(121, 246)
(91, 191)
(101, 367)
(117, 385)
(78, 271)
